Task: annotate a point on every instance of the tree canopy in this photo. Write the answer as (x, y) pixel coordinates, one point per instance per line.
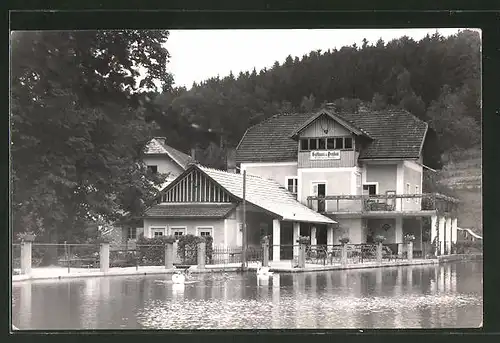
(437, 79)
(78, 125)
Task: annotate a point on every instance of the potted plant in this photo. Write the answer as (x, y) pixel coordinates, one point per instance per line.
(264, 240)
(344, 240)
(409, 238)
(303, 240)
(27, 236)
(379, 239)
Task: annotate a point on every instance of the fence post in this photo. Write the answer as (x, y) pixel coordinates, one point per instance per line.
(265, 253)
(343, 258)
(26, 247)
(302, 255)
(169, 255)
(409, 251)
(104, 257)
(201, 255)
(379, 252)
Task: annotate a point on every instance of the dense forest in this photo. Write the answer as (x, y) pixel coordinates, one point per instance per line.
(437, 79)
(79, 119)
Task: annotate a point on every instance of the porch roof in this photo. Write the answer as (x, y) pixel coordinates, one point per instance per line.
(266, 194)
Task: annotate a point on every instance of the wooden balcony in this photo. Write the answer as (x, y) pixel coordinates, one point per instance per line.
(426, 203)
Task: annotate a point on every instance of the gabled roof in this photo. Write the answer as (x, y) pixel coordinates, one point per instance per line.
(333, 116)
(266, 194)
(157, 146)
(394, 134)
(180, 210)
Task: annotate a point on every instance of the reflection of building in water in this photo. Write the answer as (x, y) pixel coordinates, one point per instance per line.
(90, 292)
(25, 304)
(275, 311)
(409, 278)
(398, 291)
(378, 280)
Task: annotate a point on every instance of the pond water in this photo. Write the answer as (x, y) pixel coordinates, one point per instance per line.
(436, 296)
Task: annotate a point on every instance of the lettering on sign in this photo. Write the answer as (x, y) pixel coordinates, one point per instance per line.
(325, 155)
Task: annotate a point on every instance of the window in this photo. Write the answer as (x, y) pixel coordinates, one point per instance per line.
(417, 191)
(177, 231)
(204, 231)
(330, 143)
(370, 189)
(153, 169)
(132, 233)
(313, 144)
(292, 184)
(157, 232)
(321, 144)
(348, 143)
(339, 143)
(408, 191)
(304, 144)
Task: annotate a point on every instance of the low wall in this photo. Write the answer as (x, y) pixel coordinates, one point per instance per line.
(460, 257)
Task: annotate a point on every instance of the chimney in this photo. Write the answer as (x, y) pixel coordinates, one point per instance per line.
(162, 139)
(331, 106)
(231, 160)
(193, 153)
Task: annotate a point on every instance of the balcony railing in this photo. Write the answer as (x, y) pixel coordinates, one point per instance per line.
(382, 203)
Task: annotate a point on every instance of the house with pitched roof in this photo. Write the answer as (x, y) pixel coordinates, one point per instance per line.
(362, 170)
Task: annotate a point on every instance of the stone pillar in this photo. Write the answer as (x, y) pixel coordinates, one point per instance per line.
(454, 225)
(265, 254)
(175, 246)
(434, 228)
(169, 255)
(343, 257)
(201, 255)
(448, 235)
(379, 252)
(26, 247)
(313, 236)
(329, 237)
(302, 255)
(276, 240)
(409, 251)
(398, 234)
(296, 234)
(441, 235)
(104, 257)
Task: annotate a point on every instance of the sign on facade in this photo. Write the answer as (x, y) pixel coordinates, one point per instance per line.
(325, 155)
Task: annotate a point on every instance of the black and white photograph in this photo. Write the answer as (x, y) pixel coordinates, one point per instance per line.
(243, 179)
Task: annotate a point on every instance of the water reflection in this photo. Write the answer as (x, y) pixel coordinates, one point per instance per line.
(448, 295)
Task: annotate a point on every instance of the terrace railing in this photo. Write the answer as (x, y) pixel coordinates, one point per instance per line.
(382, 203)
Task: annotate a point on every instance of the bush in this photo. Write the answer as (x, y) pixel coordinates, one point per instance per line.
(151, 251)
(188, 246)
(303, 240)
(468, 247)
(344, 240)
(379, 239)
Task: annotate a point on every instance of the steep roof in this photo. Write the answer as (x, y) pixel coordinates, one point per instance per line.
(157, 146)
(180, 210)
(395, 134)
(266, 194)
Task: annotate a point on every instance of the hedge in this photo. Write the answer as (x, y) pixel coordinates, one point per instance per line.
(151, 251)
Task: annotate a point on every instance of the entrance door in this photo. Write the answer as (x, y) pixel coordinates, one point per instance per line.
(319, 190)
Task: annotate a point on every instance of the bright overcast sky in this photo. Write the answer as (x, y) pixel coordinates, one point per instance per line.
(197, 55)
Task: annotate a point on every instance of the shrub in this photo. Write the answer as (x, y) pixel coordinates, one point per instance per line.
(188, 248)
(344, 240)
(303, 240)
(379, 239)
(409, 238)
(151, 251)
(468, 247)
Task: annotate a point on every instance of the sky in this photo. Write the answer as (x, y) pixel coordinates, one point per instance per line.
(197, 55)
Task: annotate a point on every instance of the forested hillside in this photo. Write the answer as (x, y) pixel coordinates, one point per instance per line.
(437, 79)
